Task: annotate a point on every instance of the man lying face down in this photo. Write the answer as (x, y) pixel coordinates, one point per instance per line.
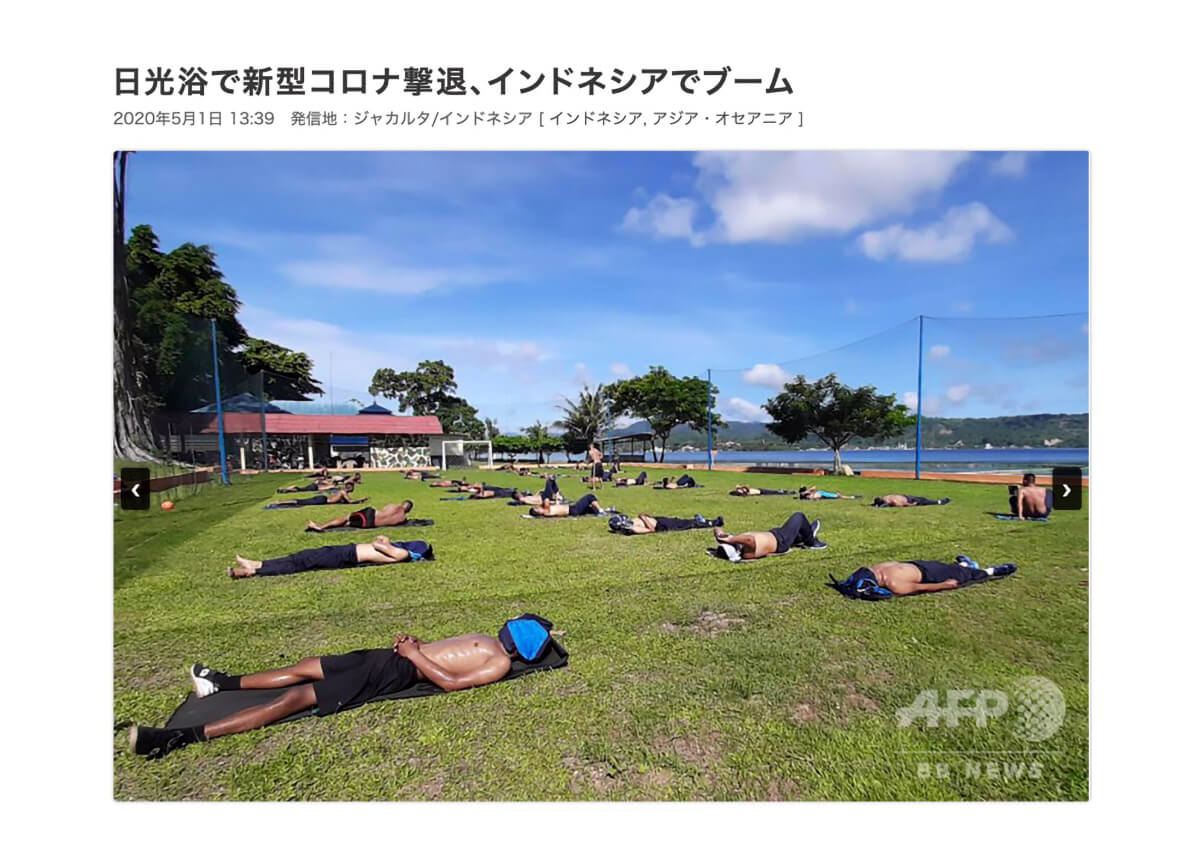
(392, 515)
(901, 578)
(796, 531)
(380, 550)
(330, 683)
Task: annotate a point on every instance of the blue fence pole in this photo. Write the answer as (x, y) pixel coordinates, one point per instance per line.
(920, 378)
(710, 418)
(220, 415)
(262, 416)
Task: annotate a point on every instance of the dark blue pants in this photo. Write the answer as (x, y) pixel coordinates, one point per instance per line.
(583, 506)
(324, 558)
(796, 529)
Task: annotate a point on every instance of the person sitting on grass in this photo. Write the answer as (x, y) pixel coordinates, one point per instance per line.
(797, 530)
(329, 683)
(645, 523)
(583, 506)
(380, 550)
(392, 515)
(901, 578)
(808, 493)
(640, 479)
(342, 496)
(908, 500)
(684, 481)
(747, 491)
(1030, 500)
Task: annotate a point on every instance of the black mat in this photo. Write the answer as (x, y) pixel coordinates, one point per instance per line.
(197, 712)
(412, 522)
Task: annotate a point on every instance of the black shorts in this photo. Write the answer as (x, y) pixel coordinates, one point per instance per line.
(354, 678)
(365, 517)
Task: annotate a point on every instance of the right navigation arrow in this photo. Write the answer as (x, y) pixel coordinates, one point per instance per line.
(1066, 490)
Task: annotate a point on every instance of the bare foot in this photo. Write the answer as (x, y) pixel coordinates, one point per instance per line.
(239, 572)
(311, 525)
(720, 535)
(247, 563)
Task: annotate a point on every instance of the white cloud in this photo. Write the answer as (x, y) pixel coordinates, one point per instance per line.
(386, 278)
(910, 401)
(958, 393)
(741, 410)
(620, 369)
(947, 240)
(939, 351)
(785, 195)
(766, 375)
(1011, 165)
(663, 217)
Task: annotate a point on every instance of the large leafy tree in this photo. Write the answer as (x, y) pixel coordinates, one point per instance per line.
(584, 419)
(540, 439)
(511, 445)
(834, 413)
(286, 374)
(430, 391)
(664, 401)
(132, 435)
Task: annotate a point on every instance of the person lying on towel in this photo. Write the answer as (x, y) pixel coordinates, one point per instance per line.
(807, 493)
(1030, 500)
(329, 683)
(645, 523)
(685, 481)
(640, 479)
(908, 500)
(796, 531)
(392, 515)
(901, 578)
(379, 551)
(342, 496)
(322, 484)
(585, 505)
(747, 491)
(448, 483)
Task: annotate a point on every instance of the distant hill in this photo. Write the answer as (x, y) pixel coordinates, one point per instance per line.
(1042, 429)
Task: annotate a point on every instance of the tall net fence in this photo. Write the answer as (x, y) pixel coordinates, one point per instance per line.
(989, 394)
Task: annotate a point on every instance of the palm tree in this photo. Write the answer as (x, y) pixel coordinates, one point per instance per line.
(491, 429)
(585, 419)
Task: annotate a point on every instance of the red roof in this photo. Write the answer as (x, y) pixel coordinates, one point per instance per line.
(298, 423)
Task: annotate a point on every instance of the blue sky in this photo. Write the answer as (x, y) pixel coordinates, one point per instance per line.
(531, 273)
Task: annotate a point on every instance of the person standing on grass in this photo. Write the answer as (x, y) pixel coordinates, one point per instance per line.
(596, 457)
(329, 683)
(1030, 500)
(392, 515)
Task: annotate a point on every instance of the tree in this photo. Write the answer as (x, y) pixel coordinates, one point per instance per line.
(286, 374)
(664, 401)
(585, 419)
(510, 445)
(491, 429)
(430, 391)
(541, 440)
(133, 438)
(834, 414)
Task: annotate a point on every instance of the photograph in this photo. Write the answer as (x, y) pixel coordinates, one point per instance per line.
(388, 425)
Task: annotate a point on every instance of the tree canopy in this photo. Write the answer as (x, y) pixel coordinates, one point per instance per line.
(584, 419)
(430, 391)
(540, 440)
(834, 413)
(664, 401)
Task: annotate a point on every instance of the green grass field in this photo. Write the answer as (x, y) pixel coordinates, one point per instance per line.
(690, 678)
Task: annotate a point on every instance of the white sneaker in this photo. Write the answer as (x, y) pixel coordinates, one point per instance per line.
(200, 680)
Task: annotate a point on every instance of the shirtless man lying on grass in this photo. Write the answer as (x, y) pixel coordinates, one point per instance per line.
(392, 515)
(908, 500)
(336, 497)
(902, 578)
(797, 530)
(329, 683)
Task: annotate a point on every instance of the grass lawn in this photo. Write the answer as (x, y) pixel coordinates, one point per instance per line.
(690, 678)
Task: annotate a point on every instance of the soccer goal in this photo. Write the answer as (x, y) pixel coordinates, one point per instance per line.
(458, 449)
